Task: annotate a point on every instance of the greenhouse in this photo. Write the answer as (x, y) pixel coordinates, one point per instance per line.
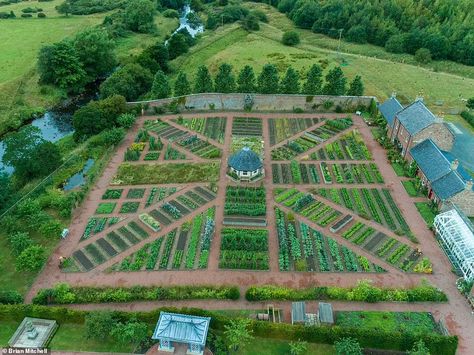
(456, 234)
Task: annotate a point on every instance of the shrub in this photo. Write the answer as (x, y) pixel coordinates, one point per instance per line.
(19, 242)
(109, 294)
(423, 56)
(99, 324)
(41, 15)
(290, 38)
(26, 15)
(10, 297)
(126, 120)
(170, 13)
(31, 259)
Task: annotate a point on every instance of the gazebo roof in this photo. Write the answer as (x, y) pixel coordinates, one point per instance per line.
(245, 160)
(182, 328)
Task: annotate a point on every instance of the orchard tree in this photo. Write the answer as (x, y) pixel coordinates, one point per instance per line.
(59, 64)
(203, 81)
(161, 87)
(130, 81)
(335, 82)
(246, 80)
(96, 52)
(237, 333)
(130, 333)
(290, 83)
(225, 81)
(268, 80)
(181, 85)
(314, 81)
(31, 259)
(139, 16)
(347, 346)
(356, 87)
(99, 324)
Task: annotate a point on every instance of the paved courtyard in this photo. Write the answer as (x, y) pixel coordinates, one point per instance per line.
(102, 252)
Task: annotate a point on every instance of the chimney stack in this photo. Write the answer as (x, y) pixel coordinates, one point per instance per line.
(394, 94)
(469, 184)
(454, 164)
(419, 98)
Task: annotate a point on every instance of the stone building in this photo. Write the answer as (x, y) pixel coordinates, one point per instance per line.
(444, 177)
(410, 125)
(245, 165)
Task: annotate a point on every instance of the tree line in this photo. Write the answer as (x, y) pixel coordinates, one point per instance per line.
(267, 82)
(445, 28)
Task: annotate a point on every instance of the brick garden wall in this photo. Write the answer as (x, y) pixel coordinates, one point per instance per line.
(230, 102)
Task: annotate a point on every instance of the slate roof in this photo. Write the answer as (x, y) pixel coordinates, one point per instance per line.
(415, 117)
(245, 160)
(430, 160)
(436, 166)
(389, 109)
(298, 312)
(448, 185)
(182, 328)
(325, 313)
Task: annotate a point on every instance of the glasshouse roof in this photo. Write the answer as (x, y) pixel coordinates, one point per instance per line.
(182, 328)
(245, 160)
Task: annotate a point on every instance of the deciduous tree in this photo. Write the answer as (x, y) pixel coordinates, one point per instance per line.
(237, 333)
(139, 16)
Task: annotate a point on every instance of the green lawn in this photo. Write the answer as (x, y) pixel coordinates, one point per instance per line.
(411, 189)
(381, 77)
(411, 322)
(399, 170)
(426, 212)
(281, 347)
(69, 337)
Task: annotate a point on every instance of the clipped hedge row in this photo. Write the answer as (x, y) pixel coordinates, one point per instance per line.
(64, 294)
(371, 338)
(364, 291)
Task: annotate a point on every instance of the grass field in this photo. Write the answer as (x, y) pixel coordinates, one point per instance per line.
(410, 187)
(281, 347)
(381, 77)
(426, 212)
(20, 41)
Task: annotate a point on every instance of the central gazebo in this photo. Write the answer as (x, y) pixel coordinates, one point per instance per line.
(245, 165)
(182, 328)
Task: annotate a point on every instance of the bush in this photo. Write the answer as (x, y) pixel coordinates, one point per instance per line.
(170, 13)
(19, 242)
(136, 293)
(26, 15)
(126, 120)
(364, 291)
(10, 297)
(423, 56)
(41, 15)
(31, 259)
(290, 38)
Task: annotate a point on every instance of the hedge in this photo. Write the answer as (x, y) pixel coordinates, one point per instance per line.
(364, 292)
(372, 338)
(64, 294)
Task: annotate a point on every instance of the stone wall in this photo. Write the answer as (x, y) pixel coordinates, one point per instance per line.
(439, 133)
(259, 102)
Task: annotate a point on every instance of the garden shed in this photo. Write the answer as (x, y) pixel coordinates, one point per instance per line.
(245, 165)
(456, 233)
(298, 312)
(181, 328)
(325, 313)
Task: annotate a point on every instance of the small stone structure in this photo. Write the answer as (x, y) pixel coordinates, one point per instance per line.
(245, 165)
(33, 333)
(181, 328)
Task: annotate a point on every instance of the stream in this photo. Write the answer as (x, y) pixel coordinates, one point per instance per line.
(54, 126)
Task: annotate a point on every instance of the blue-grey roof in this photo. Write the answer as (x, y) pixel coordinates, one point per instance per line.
(448, 185)
(461, 171)
(182, 328)
(430, 160)
(389, 109)
(245, 160)
(416, 117)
